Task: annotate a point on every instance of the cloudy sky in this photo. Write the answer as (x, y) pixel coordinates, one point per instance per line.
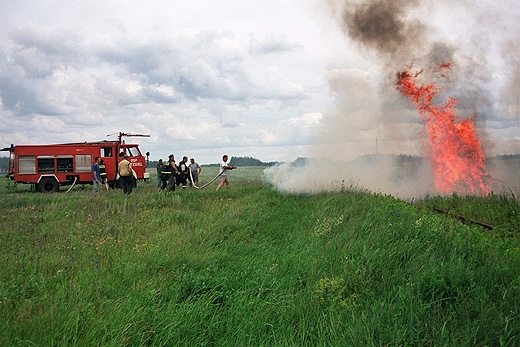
(271, 79)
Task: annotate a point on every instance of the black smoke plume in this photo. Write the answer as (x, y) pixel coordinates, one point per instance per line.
(382, 25)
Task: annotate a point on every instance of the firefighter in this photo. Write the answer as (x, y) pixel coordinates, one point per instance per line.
(183, 172)
(103, 173)
(169, 173)
(125, 171)
(166, 172)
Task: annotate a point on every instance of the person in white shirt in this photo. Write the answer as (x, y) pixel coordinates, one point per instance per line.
(223, 172)
(195, 170)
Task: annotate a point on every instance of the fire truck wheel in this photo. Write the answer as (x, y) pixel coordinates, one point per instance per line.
(48, 185)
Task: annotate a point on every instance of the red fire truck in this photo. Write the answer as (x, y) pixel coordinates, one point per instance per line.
(48, 167)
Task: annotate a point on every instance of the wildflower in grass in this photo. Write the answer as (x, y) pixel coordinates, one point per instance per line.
(324, 226)
(331, 292)
(107, 242)
(139, 247)
(512, 254)
(432, 223)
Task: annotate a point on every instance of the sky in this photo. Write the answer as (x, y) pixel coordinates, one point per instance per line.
(273, 80)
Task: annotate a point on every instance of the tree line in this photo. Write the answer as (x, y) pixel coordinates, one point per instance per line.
(235, 161)
(250, 161)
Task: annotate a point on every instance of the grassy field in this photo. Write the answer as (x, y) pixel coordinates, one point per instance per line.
(250, 266)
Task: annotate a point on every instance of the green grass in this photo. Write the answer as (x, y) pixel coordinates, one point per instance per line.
(250, 266)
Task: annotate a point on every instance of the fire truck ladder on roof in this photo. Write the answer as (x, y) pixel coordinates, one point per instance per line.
(120, 135)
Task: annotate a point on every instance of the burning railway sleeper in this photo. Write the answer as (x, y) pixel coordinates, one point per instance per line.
(465, 220)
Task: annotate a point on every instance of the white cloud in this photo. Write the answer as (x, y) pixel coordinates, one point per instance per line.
(263, 79)
(273, 43)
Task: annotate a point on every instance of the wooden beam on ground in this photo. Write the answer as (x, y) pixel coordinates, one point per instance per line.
(464, 219)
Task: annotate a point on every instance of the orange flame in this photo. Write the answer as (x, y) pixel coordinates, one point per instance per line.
(457, 158)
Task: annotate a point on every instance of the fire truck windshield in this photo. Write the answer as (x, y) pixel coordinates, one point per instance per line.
(133, 151)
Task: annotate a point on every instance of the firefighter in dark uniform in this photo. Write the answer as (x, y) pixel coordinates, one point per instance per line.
(103, 173)
(169, 173)
(182, 178)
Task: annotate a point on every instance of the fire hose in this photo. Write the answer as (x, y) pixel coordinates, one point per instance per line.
(207, 184)
(73, 183)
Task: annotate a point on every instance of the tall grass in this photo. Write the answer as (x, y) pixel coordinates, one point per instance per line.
(250, 266)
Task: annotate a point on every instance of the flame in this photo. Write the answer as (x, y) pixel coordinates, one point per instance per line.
(457, 158)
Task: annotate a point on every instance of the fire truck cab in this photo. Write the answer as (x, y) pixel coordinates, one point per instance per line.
(47, 167)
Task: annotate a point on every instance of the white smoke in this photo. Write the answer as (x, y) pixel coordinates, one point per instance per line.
(373, 139)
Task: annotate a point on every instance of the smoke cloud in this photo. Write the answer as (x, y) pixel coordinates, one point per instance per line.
(373, 138)
(381, 25)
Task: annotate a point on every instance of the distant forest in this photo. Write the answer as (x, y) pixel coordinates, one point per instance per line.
(235, 161)
(249, 161)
